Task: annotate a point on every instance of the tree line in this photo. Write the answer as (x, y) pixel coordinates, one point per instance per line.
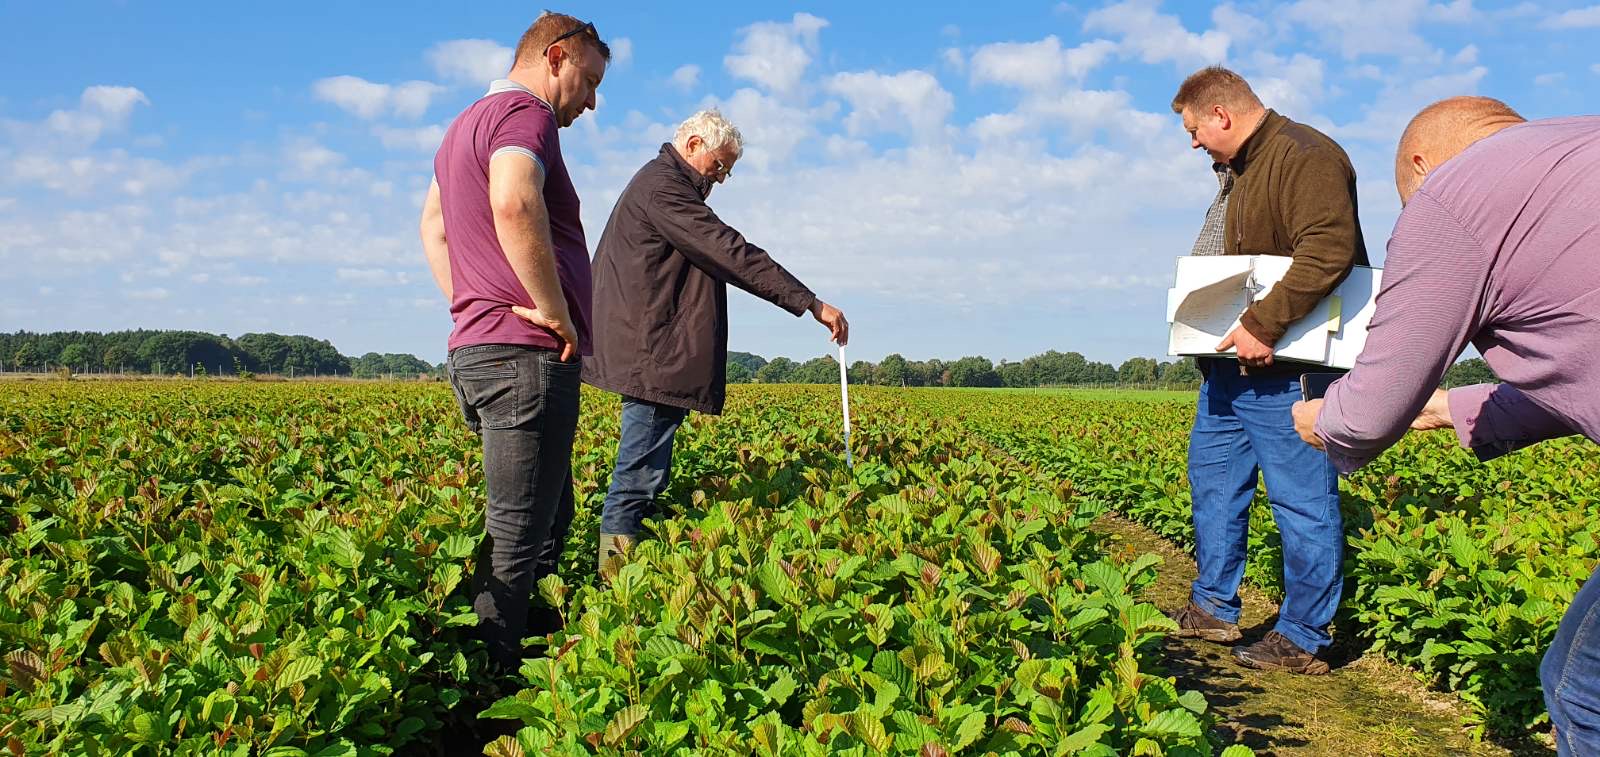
(169, 352)
(182, 352)
(1048, 369)
(1051, 368)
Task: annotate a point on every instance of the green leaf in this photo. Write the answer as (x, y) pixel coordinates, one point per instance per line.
(513, 708)
(623, 723)
(1086, 617)
(969, 730)
(1083, 738)
(457, 546)
(505, 746)
(1193, 701)
(1180, 723)
(298, 669)
(340, 749)
(781, 689)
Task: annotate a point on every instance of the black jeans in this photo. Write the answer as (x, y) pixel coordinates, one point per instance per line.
(523, 403)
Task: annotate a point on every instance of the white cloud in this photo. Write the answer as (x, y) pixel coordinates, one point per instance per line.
(1376, 27)
(1520, 10)
(1549, 79)
(101, 109)
(999, 127)
(151, 294)
(370, 100)
(1595, 68)
(421, 139)
(772, 128)
(685, 77)
(1466, 56)
(470, 62)
(1456, 12)
(1293, 86)
(306, 157)
(106, 171)
(1087, 111)
(953, 58)
(775, 55)
(1157, 37)
(621, 52)
(1037, 65)
(373, 276)
(1577, 18)
(910, 102)
(1238, 24)
(1386, 117)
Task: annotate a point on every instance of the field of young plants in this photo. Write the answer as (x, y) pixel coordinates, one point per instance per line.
(1458, 569)
(241, 568)
(280, 569)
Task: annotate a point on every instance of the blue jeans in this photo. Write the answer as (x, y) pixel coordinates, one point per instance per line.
(644, 465)
(1243, 427)
(523, 403)
(1570, 674)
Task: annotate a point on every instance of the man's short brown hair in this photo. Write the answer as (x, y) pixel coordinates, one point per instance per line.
(546, 29)
(1215, 85)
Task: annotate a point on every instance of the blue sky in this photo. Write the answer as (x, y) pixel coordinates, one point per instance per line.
(958, 180)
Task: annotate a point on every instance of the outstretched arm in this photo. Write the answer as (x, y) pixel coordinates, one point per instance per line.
(1430, 304)
(713, 246)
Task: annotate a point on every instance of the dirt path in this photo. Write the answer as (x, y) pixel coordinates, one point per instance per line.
(1366, 706)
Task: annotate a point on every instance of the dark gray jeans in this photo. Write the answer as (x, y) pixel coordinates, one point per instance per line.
(644, 465)
(523, 402)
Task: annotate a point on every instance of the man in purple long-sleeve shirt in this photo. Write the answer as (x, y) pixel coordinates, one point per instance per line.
(1498, 245)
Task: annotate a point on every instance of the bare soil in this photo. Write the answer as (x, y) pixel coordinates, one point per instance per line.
(1365, 706)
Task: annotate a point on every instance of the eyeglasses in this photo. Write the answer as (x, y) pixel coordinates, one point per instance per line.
(587, 27)
(723, 170)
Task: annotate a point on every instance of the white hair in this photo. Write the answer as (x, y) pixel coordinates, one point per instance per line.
(712, 129)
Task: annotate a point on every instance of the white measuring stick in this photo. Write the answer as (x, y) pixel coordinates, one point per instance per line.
(844, 400)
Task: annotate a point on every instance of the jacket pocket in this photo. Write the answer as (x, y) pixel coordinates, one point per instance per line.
(668, 346)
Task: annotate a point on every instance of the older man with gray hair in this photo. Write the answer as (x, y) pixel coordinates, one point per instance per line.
(661, 276)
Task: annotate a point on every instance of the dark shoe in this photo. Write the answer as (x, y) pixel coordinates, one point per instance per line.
(1195, 623)
(543, 621)
(1276, 652)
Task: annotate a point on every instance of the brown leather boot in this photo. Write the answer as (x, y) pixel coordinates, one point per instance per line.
(1196, 623)
(1276, 652)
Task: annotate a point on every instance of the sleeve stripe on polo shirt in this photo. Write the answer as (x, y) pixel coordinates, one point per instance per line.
(518, 151)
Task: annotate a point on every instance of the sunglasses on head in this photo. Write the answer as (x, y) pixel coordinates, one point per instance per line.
(586, 27)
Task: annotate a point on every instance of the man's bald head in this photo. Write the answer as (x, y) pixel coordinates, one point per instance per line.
(1441, 131)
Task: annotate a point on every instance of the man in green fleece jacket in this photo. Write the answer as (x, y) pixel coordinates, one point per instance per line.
(1284, 189)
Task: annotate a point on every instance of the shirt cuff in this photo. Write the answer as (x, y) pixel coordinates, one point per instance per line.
(1345, 457)
(1495, 419)
(1258, 329)
(518, 150)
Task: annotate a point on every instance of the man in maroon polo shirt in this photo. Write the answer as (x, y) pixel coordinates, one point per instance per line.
(502, 235)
